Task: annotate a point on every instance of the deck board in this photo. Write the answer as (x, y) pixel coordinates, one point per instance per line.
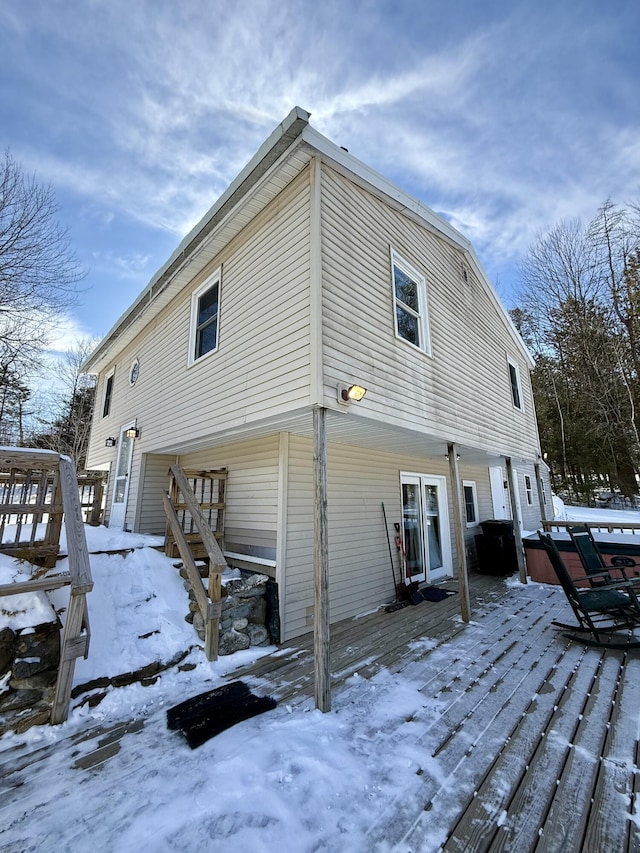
(529, 731)
(515, 738)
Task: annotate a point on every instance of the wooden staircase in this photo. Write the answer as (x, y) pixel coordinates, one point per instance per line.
(194, 506)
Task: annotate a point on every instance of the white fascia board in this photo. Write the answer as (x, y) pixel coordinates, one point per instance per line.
(417, 210)
(285, 134)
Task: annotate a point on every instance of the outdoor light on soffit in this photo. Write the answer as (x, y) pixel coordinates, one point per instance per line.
(347, 393)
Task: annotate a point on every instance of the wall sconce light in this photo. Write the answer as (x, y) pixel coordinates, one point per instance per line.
(133, 432)
(346, 393)
(110, 442)
(446, 456)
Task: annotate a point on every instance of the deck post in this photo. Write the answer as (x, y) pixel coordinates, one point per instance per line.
(543, 509)
(459, 523)
(517, 520)
(321, 563)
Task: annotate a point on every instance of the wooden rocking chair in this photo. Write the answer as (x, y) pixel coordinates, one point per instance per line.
(593, 562)
(601, 611)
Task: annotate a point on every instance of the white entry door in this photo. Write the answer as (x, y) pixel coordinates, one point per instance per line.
(425, 528)
(121, 479)
(499, 493)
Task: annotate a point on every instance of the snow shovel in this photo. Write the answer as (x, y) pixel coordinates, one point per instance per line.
(412, 590)
(399, 588)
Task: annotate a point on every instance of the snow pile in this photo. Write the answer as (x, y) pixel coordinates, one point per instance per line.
(26, 609)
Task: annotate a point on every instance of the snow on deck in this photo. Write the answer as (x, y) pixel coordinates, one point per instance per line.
(497, 735)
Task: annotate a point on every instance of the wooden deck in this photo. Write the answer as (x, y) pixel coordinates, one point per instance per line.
(522, 740)
(535, 736)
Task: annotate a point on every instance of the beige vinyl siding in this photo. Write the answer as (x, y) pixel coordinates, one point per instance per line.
(463, 391)
(359, 480)
(150, 516)
(251, 515)
(261, 367)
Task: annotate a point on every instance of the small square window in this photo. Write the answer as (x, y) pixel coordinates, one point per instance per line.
(205, 315)
(516, 390)
(470, 502)
(410, 304)
(108, 392)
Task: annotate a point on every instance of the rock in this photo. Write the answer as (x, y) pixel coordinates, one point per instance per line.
(23, 669)
(7, 649)
(233, 641)
(240, 624)
(258, 635)
(189, 618)
(38, 681)
(19, 699)
(45, 646)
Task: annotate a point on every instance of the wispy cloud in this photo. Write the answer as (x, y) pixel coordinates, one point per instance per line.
(505, 118)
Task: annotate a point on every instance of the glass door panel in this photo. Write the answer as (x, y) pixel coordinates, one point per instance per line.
(412, 529)
(433, 528)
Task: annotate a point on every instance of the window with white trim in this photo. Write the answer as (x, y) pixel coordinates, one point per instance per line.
(544, 493)
(516, 388)
(470, 502)
(205, 316)
(411, 314)
(108, 392)
(528, 489)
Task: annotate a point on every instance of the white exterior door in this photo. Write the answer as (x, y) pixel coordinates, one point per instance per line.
(499, 493)
(121, 479)
(425, 528)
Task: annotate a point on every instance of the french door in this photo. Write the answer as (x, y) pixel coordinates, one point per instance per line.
(121, 479)
(425, 528)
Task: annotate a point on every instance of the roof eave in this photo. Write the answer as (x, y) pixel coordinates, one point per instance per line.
(285, 134)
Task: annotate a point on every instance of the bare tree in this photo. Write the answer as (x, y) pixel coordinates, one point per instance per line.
(67, 428)
(38, 269)
(581, 302)
(39, 274)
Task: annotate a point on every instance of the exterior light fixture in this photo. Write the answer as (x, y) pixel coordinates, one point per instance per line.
(346, 393)
(133, 432)
(110, 442)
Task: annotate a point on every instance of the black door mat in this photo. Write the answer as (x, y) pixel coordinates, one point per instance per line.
(435, 593)
(206, 715)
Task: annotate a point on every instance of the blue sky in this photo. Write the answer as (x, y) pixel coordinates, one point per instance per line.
(505, 117)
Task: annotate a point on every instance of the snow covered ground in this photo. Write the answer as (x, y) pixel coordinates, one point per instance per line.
(292, 779)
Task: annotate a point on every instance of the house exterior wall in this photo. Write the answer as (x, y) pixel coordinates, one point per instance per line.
(262, 363)
(358, 481)
(154, 479)
(462, 391)
(251, 513)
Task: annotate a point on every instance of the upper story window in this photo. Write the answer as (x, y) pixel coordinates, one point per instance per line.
(410, 304)
(108, 392)
(205, 313)
(516, 388)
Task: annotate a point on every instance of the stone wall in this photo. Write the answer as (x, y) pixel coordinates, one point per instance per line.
(244, 611)
(29, 659)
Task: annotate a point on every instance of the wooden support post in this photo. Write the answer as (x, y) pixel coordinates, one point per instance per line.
(459, 524)
(543, 509)
(321, 563)
(96, 507)
(70, 649)
(517, 520)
